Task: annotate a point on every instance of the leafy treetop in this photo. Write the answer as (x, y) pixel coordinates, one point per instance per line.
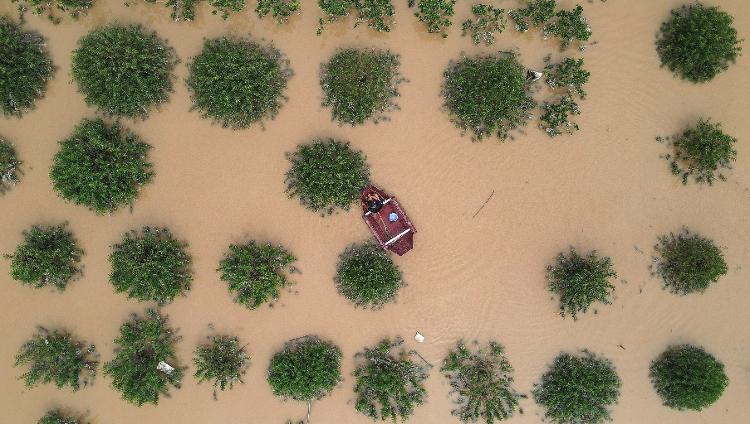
(688, 377)
(56, 356)
(688, 263)
(367, 276)
(10, 167)
(222, 360)
(306, 368)
(698, 42)
(48, 257)
(702, 151)
(388, 385)
(100, 166)
(144, 342)
(255, 272)
(578, 389)
(481, 383)
(581, 281)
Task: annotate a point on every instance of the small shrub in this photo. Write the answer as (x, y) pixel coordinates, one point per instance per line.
(150, 265)
(536, 13)
(144, 342)
(123, 70)
(326, 174)
(74, 8)
(360, 84)
(388, 386)
(698, 42)
(333, 10)
(100, 166)
(487, 95)
(569, 74)
(378, 14)
(487, 21)
(436, 15)
(222, 360)
(58, 417)
(226, 7)
(48, 257)
(255, 272)
(25, 68)
(238, 82)
(306, 369)
(581, 281)
(569, 26)
(688, 263)
(703, 152)
(688, 377)
(56, 356)
(481, 383)
(556, 116)
(280, 10)
(367, 276)
(578, 389)
(10, 167)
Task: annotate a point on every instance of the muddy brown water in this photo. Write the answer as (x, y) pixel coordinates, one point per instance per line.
(468, 277)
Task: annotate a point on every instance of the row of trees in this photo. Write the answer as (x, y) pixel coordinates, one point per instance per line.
(389, 379)
(153, 265)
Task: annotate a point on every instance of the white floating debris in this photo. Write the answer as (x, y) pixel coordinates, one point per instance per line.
(419, 337)
(165, 368)
(532, 75)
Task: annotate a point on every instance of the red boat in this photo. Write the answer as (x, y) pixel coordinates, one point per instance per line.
(387, 221)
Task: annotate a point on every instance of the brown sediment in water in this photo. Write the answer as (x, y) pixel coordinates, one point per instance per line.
(470, 277)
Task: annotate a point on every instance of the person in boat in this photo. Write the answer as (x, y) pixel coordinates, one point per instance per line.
(374, 202)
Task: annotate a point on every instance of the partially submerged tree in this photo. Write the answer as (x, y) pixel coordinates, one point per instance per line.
(688, 263)
(481, 381)
(569, 26)
(101, 166)
(280, 10)
(378, 14)
(151, 265)
(48, 257)
(702, 151)
(688, 377)
(389, 385)
(57, 356)
(326, 174)
(57, 416)
(237, 82)
(10, 167)
(488, 20)
(25, 68)
(568, 74)
(222, 361)
(435, 14)
(360, 84)
(184, 10)
(487, 95)
(124, 70)
(536, 13)
(698, 42)
(556, 118)
(578, 389)
(255, 273)
(137, 370)
(367, 276)
(74, 8)
(580, 281)
(306, 369)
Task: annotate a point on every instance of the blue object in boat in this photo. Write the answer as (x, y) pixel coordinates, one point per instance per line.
(392, 217)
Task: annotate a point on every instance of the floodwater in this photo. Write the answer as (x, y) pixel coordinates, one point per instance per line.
(472, 275)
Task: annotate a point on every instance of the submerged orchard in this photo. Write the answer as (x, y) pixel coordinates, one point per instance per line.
(367, 276)
(48, 257)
